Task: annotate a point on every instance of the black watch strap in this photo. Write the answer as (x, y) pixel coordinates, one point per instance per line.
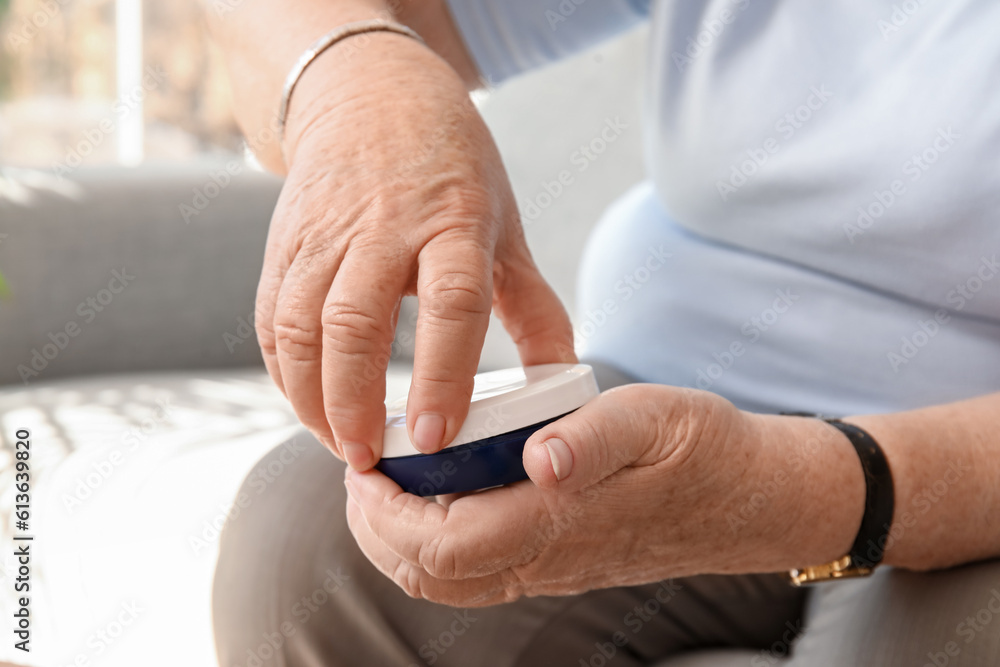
(869, 545)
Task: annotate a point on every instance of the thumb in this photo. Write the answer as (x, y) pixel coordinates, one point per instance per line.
(532, 313)
(602, 437)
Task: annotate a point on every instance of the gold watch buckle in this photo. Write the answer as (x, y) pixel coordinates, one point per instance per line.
(842, 568)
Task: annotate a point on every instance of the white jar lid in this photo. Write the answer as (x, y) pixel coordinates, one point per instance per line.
(503, 401)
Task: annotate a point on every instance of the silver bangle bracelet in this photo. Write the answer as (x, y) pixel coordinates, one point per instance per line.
(321, 45)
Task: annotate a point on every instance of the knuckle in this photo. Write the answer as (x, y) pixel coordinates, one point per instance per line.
(349, 328)
(265, 339)
(347, 425)
(455, 293)
(460, 203)
(264, 329)
(438, 557)
(682, 424)
(443, 382)
(296, 340)
(549, 324)
(599, 450)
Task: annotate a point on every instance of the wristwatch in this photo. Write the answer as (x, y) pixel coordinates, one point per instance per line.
(869, 546)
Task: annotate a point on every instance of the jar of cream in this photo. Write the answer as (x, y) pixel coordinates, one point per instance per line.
(507, 407)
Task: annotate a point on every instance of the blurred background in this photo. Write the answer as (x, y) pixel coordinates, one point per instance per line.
(69, 64)
(132, 227)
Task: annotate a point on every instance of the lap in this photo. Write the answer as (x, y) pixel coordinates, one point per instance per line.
(293, 589)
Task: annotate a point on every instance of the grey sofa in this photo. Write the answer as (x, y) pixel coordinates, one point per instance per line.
(185, 284)
(124, 349)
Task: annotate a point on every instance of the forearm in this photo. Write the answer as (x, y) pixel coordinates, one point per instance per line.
(263, 38)
(945, 463)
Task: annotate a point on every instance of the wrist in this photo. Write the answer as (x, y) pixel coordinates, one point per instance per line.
(367, 79)
(257, 73)
(896, 434)
(817, 484)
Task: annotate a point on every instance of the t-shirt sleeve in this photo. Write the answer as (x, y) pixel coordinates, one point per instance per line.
(507, 37)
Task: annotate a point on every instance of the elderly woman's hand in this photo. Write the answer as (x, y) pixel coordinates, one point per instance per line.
(643, 483)
(394, 187)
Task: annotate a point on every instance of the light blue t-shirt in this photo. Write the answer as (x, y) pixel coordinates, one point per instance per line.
(821, 227)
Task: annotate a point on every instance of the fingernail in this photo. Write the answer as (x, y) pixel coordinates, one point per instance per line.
(358, 456)
(428, 432)
(562, 458)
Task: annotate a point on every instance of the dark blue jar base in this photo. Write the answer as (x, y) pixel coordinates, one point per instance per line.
(475, 465)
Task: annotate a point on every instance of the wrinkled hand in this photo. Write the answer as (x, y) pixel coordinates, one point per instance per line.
(649, 480)
(395, 187)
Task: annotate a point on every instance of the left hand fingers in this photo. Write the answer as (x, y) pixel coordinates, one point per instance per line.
(477, 535)
(417, 583)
